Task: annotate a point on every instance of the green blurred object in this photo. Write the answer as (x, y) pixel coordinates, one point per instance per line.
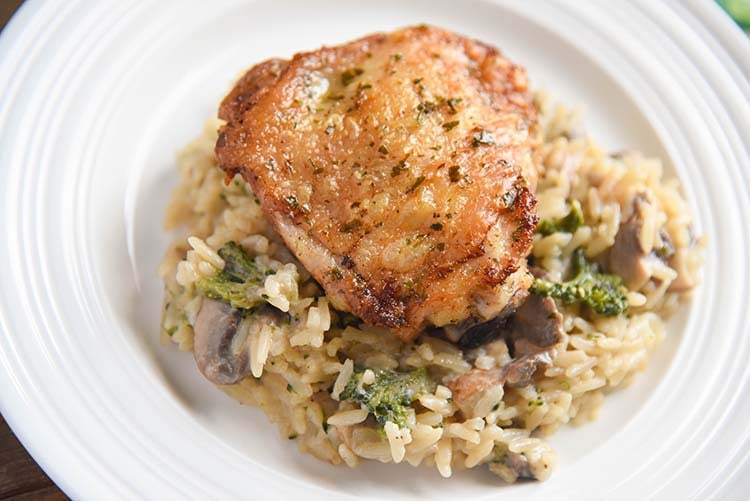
(739, 10)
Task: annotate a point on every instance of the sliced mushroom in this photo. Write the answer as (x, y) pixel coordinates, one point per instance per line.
(469, 387)
(482, 333)
(520, 371)
(471, 333)
(519, 464)
(219, 354)
(629, 257)
(536, 326)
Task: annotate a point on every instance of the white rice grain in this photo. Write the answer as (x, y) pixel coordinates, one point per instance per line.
(260, 343)
(398, 438)
(443, 457)
(206, 252)
(344, 376)
(439, 405)
(348, 418)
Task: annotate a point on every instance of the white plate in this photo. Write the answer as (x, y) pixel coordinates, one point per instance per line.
(96, 96)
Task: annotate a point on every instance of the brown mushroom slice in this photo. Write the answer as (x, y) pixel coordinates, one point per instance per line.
(479, 334)
(536, 326)
(470, 386)
(220, 355)
(519, 464)
(629, 257)
(472, 334)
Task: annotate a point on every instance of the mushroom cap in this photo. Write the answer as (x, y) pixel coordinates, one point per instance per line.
(218, 354)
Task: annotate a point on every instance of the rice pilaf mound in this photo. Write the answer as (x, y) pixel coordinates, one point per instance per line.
(315, 372)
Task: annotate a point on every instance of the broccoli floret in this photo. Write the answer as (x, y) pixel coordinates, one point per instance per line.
(240, 280)
(567, 224)
(603, 293)
(390, 395)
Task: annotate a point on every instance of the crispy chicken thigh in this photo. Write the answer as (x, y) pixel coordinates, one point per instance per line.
(397, 168)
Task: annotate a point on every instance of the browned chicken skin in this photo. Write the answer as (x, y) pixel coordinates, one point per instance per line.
(397, 168)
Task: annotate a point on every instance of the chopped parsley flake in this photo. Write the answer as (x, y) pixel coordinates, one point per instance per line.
(335, 273)
(351, 226)
(398, 169)
(452, 102)
(349, 75)
(537, 402)
(423, 109)
(450, 125)
(416, 184)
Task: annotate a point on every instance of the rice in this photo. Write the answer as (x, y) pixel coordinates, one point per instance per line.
(301, 367)
(348, 418)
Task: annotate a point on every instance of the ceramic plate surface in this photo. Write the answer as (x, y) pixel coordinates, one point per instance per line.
(97, 96)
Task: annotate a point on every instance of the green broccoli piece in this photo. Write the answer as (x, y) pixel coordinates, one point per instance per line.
(389, 397)
(239, 281)
(603, 293)
(567, 224)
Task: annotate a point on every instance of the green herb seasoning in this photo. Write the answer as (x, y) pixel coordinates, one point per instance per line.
(336, 273)
(423, 109)
(416, 184)
(450, 125)
(349, 75)
(351, 226)
(452, 103)
(398, 169)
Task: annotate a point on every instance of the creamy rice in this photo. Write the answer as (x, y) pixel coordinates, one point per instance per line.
(300, 368)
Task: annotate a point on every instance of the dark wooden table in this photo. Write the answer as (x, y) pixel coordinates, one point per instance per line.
(21, 479)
